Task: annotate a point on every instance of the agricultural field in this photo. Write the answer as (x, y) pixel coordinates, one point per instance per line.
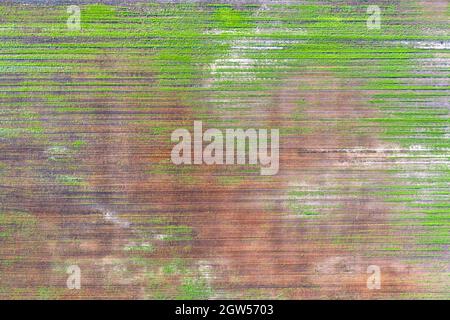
(93, 207)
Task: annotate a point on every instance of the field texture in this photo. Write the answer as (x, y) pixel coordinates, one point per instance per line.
(359, 209)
